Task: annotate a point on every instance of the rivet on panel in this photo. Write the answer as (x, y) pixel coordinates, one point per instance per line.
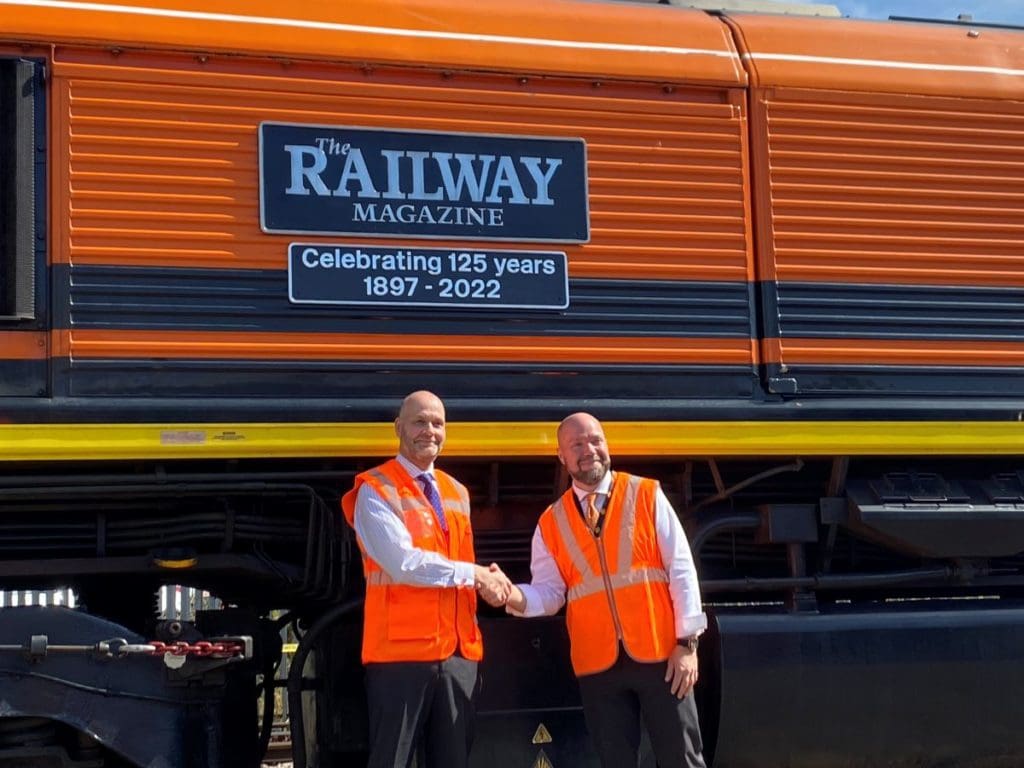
(668, 88)
(366, 69)
(202, 59)
(447, 75)
(596, 84)
(115, 51)
(524, 80)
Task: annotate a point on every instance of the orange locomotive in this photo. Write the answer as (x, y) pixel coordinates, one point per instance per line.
(780, 257)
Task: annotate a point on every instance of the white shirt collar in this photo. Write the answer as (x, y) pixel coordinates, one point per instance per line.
(603, 488)
(413, 470)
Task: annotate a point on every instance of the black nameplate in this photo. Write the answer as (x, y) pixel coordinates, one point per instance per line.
(337, 180)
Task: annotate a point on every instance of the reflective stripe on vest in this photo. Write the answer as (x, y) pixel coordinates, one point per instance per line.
(634, 576)
(389, 493)
(378, 578)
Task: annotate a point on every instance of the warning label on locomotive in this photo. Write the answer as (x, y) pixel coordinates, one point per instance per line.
(427, 277)
(362, 181)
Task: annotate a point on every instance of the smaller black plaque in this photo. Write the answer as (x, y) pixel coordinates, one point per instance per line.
(426, 277)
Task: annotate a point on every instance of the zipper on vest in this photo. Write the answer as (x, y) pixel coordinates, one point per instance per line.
(608, 589)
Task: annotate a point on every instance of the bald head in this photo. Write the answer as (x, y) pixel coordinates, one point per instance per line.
(576, 422)
(582, 449)
(418, 400)
(420, 427)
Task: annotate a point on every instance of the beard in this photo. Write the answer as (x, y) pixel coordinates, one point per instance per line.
(591, 476)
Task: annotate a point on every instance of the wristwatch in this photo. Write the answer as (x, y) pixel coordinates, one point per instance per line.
(690, 642)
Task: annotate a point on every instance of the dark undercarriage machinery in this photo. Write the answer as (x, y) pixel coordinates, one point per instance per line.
(857, 613)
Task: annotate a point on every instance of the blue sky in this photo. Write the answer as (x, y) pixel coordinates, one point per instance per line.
(996, 11)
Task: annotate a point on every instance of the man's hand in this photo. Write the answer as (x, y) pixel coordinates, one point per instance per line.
(493, 585)
(682, 671)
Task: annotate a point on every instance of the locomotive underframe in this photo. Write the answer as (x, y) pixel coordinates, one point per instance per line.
(883, 577)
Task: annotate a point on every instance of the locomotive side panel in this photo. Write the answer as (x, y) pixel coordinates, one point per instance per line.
(890, 196)
(896, 234)
(169, 288)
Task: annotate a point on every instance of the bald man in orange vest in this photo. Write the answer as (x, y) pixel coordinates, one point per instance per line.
(421, 642)
(613, 545)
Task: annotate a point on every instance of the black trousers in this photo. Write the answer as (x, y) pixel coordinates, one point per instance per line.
(421, 707)
(617, 700)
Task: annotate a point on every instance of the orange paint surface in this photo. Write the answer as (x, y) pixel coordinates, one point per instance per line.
(893, 352)
(23, 345)
(385, 347)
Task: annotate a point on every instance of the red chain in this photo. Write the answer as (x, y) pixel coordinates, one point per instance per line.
(201, 648)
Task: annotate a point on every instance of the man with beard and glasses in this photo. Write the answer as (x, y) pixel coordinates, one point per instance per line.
(614, 545)
(421, 642)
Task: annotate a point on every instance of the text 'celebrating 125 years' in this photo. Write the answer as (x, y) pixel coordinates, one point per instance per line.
(350, 274)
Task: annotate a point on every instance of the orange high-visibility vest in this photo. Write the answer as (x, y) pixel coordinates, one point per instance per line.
(412, 623)
(617, 584)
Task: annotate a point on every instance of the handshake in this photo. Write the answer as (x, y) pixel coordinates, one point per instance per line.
(492, 584)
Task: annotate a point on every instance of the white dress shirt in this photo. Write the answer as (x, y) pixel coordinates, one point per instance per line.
(545, 594)
(386, 540)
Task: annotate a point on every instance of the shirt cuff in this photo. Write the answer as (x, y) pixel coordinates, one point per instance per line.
(464, 576)
(691, 625)
(533, 603)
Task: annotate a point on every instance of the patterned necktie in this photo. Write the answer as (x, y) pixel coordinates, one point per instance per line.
(593, 515)
(430, 491)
